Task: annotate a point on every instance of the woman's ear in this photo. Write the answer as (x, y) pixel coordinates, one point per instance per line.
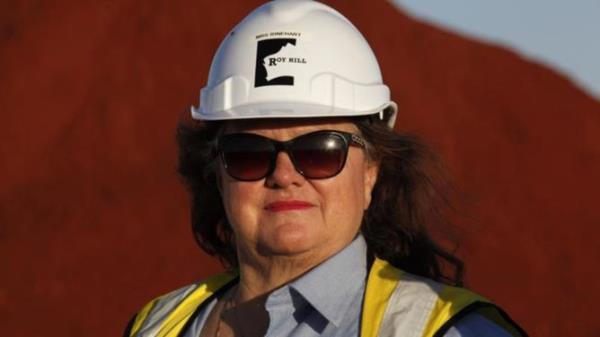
(370, 178)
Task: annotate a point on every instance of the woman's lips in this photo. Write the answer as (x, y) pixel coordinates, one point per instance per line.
(288, 205)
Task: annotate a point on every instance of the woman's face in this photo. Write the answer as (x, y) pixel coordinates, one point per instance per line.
(288, 215)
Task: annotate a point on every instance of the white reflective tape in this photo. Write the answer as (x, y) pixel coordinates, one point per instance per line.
(409, 307)
(161, 310)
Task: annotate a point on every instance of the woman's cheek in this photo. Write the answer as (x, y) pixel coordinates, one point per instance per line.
(242, 207)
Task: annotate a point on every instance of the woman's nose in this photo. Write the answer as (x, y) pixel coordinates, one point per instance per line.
(285, 173)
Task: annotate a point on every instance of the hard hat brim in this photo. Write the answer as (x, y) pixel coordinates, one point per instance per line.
(281, 110)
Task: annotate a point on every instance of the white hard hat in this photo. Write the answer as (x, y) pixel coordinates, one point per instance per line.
(294, 58)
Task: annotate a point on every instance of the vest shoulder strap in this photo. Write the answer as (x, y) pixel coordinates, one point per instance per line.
(167, 315)
(401, 304)
(449, 301)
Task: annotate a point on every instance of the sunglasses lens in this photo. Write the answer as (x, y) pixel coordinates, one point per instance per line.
(250, 157)
(319, 156)
(246, 157)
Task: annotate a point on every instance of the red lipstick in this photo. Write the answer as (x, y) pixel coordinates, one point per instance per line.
(288, 205)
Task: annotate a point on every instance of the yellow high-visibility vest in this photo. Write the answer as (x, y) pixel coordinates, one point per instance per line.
(396, 304)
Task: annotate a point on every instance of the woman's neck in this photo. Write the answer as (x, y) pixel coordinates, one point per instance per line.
(263, 275)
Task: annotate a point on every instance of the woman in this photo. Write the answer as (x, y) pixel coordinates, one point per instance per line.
(301, 187)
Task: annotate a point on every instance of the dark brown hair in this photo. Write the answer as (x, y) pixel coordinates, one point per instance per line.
(408, 200)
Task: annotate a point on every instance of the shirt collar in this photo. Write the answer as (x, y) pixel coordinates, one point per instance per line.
(331, 286)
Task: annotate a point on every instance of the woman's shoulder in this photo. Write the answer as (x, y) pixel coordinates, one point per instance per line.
(190, 296)
(448, 309)
(207, 285)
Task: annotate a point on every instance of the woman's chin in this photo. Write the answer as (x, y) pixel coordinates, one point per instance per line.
(288, 240)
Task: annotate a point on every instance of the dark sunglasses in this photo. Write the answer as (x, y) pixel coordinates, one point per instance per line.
(316, 155)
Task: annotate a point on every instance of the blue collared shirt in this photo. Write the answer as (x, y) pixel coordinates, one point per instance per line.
(327, 302)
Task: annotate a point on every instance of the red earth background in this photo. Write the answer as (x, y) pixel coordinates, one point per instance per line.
(94, 221)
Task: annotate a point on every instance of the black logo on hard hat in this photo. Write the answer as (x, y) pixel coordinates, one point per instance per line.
(269, 62)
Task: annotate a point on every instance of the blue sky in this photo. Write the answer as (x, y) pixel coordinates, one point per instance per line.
(564, 35)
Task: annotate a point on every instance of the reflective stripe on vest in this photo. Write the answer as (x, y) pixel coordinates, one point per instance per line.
(401, 304)
(396, 303)
(167, 315)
